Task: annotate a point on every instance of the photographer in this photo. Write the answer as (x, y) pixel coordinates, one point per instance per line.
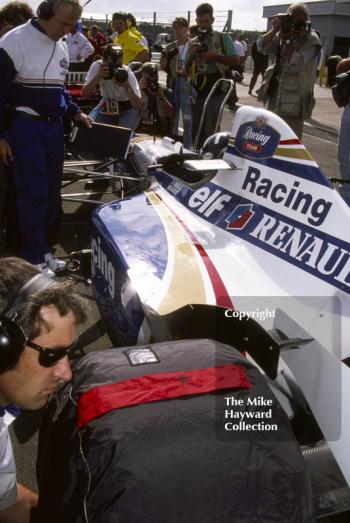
(173, 60)
(289, 84)
(157, 110)
(344, 142)
(121, 97)
(209, 57)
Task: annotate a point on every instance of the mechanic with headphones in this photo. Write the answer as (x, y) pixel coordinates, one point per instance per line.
(38, 320)
(33, 66)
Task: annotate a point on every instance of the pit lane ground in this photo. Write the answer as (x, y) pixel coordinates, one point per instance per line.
(320, 138)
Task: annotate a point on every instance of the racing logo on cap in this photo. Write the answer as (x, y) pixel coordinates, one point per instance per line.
(257, 140)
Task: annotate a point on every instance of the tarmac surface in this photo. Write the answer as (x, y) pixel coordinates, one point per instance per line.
(320, 138)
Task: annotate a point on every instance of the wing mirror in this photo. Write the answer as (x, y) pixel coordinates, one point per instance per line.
(209, 165)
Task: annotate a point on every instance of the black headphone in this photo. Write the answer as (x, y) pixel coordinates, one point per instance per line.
(46, 9)
(12, 337)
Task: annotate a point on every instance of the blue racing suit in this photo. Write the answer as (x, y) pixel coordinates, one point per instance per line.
(32, 74)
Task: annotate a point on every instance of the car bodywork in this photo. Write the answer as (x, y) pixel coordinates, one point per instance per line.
(264, 240)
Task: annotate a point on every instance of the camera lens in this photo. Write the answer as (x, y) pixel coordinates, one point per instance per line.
(120, 75)
(152, 86)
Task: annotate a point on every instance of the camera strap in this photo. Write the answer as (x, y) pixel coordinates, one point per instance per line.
(182, 55)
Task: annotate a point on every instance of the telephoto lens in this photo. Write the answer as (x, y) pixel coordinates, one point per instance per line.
(202, 33)
(152, 80)
(152, 85)
(120, 75)
(203, 47)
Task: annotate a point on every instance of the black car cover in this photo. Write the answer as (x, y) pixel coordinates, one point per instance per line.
(176, 432)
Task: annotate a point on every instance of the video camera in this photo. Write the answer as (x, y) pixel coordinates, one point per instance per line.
(119, 74)
(289, 24)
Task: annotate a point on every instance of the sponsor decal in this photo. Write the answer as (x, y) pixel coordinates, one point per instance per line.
(175, 187)
(240, 216)
(314, 209)
(257, 140)
(305, 246)
(317, 253)
(101, 262)
(207, 202)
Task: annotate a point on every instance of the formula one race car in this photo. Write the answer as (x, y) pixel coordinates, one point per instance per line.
(247, 244)
(251, 230)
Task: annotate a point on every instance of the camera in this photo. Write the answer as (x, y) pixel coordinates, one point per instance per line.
(202, 35)
(170, 51)
(342, 78)
(152, 80)
(288, 24)
(120, 75)
(341, 89)
(114, 52)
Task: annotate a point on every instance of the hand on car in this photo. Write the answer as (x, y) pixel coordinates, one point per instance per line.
(83, 119)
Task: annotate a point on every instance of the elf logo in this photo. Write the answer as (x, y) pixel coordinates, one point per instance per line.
(208, 202)
(240, 216)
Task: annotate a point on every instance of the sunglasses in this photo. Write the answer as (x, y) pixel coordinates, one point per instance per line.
(13, 340)
(49, 357)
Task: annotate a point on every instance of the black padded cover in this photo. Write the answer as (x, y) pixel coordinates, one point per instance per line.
(168, 461)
